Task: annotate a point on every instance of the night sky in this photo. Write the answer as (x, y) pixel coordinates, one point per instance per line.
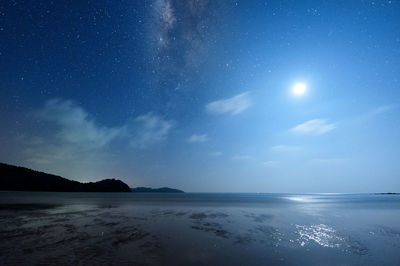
(198, 95)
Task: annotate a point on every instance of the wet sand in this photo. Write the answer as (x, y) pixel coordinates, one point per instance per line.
(139, 233)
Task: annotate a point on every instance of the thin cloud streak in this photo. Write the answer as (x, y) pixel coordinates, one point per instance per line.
(329, 160)
(215, 153)
(198, 138)
(285, 148)
(314, 127)
(269, 163)
(382, 109)
(242, 157)
(234, 105)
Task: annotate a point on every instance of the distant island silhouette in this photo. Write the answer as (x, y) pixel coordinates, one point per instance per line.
(156, 190)
(24, 179)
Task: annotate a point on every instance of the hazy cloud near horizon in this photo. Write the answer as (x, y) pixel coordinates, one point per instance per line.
(77, 141)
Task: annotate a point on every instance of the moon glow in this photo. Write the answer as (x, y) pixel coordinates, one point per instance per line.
(299, 88)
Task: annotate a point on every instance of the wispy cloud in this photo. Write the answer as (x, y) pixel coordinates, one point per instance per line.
(269, 163)
(329, 160)
(74, 124)
(147, 130)
(382, 109)
(285, 148)
(314, 127)
(242, 157)
(215, 153)
(75, 139)
(197, 138)
(233, 106)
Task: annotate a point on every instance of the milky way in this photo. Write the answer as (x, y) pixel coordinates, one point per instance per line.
(182, 33)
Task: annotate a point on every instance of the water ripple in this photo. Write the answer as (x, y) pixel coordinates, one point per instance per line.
(327, 236)
(321, 234)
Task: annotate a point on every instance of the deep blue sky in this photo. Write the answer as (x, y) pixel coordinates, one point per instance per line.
(198, 94)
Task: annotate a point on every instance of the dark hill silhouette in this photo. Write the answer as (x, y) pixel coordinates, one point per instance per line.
(156, 190)
(24, 179)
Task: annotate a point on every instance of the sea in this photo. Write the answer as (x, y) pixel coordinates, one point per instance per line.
(56, 228)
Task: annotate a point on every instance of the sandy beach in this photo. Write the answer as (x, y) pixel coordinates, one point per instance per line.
(170, 230)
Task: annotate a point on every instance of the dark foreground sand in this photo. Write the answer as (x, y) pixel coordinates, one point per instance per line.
(155, 234)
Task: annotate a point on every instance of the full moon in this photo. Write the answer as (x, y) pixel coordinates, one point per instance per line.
(299, 88)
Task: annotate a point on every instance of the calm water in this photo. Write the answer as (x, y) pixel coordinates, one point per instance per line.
(198, 229)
